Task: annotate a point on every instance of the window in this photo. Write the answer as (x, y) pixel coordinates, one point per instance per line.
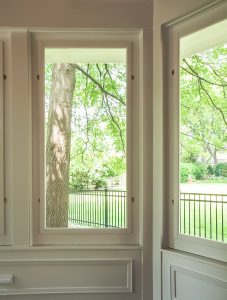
(82, 160)
(203, 143)
(85, 137)
(197, 112)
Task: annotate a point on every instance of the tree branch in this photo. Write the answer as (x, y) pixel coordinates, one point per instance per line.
(211, 100)
(117, 125)
(99, 85)
(202, 140)
(195, 74)
(108, 72)
(200, 79)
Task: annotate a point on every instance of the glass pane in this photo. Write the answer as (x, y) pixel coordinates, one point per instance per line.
(203, 137)
(85, 136)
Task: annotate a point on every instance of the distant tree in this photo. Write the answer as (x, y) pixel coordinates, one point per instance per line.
(85, 131)
(203, 83)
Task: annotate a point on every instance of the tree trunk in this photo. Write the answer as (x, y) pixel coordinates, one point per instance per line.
(58, 142)
(213, 153)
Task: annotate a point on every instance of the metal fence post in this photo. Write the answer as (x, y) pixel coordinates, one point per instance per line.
(106, 207)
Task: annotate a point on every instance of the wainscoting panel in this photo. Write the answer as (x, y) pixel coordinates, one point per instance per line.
(187, 277)
(65, 276)
(189, 285)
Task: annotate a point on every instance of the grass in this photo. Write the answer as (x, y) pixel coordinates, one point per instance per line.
(204, 219)
(93, 211)
(200, 217)
(203, 209)
(215, 181)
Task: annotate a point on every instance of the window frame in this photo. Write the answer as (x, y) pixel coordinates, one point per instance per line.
(42, 235)
(2, 194)
(172, 34)
(6, 207)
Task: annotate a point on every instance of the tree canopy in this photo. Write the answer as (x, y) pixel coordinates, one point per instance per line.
(203, 105)
(98, 125)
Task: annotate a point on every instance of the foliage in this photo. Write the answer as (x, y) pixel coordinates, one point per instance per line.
(203, 105)
(98, 129)
(194, 170)
(199, 171)
(185, 172)
(210, 170)
(221, 169)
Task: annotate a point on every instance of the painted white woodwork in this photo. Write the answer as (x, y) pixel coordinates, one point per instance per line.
(5, 141)
(99, 14)
(199, 285)
(101, 40)
(66, 276)
(1, 142)
(66, 271)
(172, 34)
(21, 160)
(19, 155)
(164, 12)
(6, 279)
(92, 15)
(187, 277)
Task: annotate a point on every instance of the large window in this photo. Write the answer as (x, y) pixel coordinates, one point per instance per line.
(197, 139)
(82, 161)
(203, 140)
(85, 137)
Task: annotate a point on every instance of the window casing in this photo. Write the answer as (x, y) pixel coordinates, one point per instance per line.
(5, 143)
(1, 143)
(173, 35)
(41, 234)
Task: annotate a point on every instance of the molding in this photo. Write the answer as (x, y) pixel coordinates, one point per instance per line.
(194, 257)
(132, 247)
(64, 289)
(208, 279)
(194, 14)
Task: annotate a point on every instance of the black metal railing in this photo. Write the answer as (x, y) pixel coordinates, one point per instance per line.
(204, 215)
(97, 208)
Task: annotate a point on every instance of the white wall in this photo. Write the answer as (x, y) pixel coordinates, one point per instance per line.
(74, 14)
(116, 14)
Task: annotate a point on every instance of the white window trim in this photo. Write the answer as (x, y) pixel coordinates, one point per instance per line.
(5, 141)
(79, 39)
(2, 221)
(172, 34)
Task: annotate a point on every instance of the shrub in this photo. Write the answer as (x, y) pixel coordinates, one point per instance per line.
(195, 171)
(185, 172)
(199, 171)
(221, 169)
(210, 170)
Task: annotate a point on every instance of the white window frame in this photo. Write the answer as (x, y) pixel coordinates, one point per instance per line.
(42, 235)
(2, 206)
(5, 141)
(172, 34)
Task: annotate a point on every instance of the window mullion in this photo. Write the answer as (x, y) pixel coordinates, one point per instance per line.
(21, 136)
(1, 143)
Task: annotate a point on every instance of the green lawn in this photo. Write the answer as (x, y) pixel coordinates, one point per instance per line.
(96, 211)
(214, 181)
(199, 217)
(204, 219)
